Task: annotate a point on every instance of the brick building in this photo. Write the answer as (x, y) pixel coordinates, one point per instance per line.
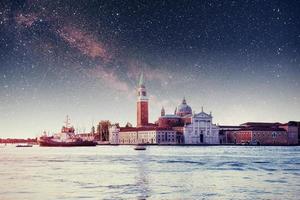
(261, 133)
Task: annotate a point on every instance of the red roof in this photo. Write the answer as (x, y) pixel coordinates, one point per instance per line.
(257, 128)
(259, 124)
(225, 126)
(126, 129)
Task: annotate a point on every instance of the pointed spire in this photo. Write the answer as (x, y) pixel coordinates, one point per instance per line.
(175, 111)
(141, 82)
(162, 112)
(183, 100)
(201, 108)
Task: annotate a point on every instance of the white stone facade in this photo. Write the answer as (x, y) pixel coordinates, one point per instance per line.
(114, 134)
(141, 136)
(201, 130)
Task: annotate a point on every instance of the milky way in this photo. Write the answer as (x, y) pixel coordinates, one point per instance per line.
(238, 59)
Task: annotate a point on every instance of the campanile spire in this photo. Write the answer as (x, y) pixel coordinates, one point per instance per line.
(142, 103)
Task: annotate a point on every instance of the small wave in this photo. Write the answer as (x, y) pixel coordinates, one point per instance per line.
(231, 164)
(182, 161)
(24, 192)
(246, 177)
(120, 186)
(276, 181)
(261, 162)
(269, 169)
(291, 169)
(84, 197)
(226, 169)
(57, 160)
(90, 186)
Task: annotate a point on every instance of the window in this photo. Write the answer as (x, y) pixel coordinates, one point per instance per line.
(201, 138)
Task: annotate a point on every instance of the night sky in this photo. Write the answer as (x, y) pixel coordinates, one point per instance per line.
(238, 59)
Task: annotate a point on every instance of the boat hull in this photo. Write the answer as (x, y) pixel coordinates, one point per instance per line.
(139, 148)
(24, 146)
(67, 144)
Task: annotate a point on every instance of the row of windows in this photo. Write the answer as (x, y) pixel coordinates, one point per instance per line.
(151, 141)
(168, 140)
(199, 120)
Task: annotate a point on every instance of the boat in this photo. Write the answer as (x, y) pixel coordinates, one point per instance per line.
(66, 138)
(77, 143)
(24, 145)
(139, 147)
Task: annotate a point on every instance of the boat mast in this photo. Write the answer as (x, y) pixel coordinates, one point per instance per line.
(67, 121)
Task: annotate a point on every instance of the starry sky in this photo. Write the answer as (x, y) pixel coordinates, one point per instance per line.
(238, 59)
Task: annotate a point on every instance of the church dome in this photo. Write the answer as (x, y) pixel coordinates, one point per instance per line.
(183, 109)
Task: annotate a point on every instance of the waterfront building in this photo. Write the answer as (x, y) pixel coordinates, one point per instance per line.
(103, 130)
(262, 133)
(114, 134)
(201, 130)
(292, 129)
(185, 127)
(143, 135)
(226, 133)
(261, 136)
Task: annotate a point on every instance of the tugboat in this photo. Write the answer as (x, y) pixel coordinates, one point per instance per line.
(66, 138)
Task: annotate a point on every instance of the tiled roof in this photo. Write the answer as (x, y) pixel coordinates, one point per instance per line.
(127, 129)
(255, 128)
(261, 124)
(229, 126)
(170, 116)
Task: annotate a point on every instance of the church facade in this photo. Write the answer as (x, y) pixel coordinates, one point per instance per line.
(201, 130)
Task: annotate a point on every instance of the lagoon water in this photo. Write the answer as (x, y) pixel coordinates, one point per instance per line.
(160, 172)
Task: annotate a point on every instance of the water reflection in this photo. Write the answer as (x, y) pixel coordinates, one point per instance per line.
(142, 180)
(109, 172)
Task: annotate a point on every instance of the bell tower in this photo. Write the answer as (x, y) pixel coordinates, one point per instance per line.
(142, 104)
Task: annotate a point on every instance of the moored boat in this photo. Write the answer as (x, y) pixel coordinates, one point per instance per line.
(77, 143)
(139, 147)
(66, 138)
(24, 145)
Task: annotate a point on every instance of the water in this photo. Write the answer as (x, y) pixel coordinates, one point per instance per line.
(160, 172)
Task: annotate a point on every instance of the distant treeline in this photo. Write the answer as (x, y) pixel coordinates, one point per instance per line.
(14, 140)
